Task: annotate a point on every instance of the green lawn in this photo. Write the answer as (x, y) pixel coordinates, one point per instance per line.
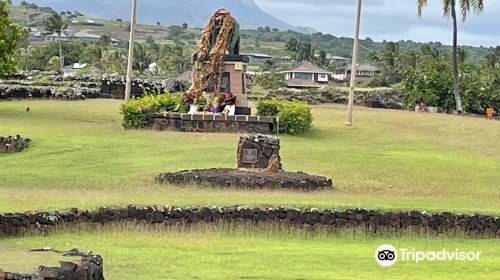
(81, 157)
(251, 254)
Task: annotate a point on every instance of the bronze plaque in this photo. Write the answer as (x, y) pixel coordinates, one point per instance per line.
(249, 156)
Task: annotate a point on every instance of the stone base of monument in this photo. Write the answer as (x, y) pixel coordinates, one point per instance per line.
(259, 166)
(211, 123)
(244, 178)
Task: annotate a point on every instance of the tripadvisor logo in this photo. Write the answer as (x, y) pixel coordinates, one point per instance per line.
(387, 255)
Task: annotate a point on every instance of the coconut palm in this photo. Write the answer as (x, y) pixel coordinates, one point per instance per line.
(450, 9)
(56, 24)
(24, 46)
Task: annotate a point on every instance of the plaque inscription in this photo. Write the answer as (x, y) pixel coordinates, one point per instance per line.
(249, 156)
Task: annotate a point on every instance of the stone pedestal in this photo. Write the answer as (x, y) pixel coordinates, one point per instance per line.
(255, 151)
(233, 78)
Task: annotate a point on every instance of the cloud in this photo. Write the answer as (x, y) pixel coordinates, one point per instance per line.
(388, 20)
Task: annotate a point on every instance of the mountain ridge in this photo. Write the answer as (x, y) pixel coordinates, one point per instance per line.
(175, 12)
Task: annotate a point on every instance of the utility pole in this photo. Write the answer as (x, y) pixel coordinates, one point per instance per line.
(128, 87)
(354, 67)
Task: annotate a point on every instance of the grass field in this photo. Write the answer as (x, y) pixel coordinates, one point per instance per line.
(81, 157)
(205, 253)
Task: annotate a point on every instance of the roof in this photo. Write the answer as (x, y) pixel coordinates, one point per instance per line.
(334, 57)
(308, 67)
(363, 67)
(303, 83)
(63, 35)
(75, 66)
(83, 34)
(258, 55)
(79, 65)
(37, 34)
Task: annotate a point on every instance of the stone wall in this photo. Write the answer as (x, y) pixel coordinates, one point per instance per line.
(209, 123)
(12, 144)
(9, 92)
(373, 99)
(54, 87)
(369, 220)
(90, 267)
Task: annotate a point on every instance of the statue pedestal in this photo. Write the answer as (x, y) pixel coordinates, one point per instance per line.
(233, 78)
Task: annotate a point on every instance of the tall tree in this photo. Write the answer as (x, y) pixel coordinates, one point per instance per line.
(450, 9)
(9, 36)
(56, 24)
(24, 46)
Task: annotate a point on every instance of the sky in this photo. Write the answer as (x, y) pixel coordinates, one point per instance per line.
(391, 20)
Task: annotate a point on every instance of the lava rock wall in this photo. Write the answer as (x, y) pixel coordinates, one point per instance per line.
(12, 224)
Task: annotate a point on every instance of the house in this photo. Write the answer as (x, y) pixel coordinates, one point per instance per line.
(82, 36)
(90, 21)
(338, 59)
(36, 36)
(92, 38)
(85, 37)
(258, 57)
(307, 75)
(70, 71)
(65, 37)
(364, 73)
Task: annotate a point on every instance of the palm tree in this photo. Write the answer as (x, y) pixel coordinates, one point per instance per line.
(56, 24)
(142, 57)
(24, 45)
(450, 9)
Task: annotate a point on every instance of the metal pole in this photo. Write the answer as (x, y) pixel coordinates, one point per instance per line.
(128, 87)
(354, 67)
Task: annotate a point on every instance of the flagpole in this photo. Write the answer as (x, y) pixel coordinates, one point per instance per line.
(128, 87)
(354, 67)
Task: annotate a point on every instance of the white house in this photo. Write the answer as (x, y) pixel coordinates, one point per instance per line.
(307, 75)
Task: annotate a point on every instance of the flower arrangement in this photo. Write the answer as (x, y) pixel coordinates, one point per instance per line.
(193, 98)
(209, 104)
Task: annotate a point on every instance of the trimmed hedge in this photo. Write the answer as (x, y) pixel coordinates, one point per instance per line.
(137, 112)
(294, 117)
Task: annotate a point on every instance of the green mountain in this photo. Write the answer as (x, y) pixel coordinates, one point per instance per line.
(269, 41)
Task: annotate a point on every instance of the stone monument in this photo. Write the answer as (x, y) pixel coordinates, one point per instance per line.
(257, 151)
(259, 166)
(218, 67)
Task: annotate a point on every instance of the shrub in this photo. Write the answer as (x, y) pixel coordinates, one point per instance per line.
(294, 117)
(137, 112)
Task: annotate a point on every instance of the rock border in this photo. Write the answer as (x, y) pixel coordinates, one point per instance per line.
(371, 221)
(249, 179)
(13, 144)
(90, 267)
